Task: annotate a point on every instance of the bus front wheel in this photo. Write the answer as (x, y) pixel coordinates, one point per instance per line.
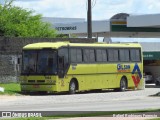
(123, 85)
(72, 87)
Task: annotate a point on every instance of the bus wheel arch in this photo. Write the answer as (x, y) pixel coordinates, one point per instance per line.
(73, 86)
(123, 84)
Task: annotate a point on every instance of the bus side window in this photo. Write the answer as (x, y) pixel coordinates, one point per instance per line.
(101, 55)
(124, 55)
(89, 55)
(135, 55)
(63, 52)
(61, 67)
(61, 62)
(113, 55)
(86, 55)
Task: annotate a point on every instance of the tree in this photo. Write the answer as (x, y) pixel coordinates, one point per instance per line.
(18, 22)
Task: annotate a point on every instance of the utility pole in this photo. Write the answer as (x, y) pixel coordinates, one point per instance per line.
(89, 19)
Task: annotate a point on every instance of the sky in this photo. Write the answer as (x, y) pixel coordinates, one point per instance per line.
(101, 9)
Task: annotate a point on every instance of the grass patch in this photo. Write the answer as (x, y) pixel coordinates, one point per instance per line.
(10, 89)
(155, 119)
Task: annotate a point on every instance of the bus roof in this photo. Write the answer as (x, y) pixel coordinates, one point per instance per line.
(56, 45)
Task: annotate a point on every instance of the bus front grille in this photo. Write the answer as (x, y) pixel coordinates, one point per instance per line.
(31, 81)
(36, 81)
(40, 81)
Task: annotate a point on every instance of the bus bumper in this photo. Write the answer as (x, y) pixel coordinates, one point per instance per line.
(36, 88)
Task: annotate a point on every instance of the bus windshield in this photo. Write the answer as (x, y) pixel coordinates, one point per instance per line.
(39, 62)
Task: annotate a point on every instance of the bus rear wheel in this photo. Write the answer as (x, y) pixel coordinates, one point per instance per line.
(72, 87)
(123, 85)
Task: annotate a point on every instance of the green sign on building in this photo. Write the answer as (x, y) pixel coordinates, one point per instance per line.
(121, 26)
(151, 55)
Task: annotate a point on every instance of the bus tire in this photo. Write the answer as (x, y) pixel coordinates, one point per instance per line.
(123, 85)
(24, 92)
(157, 83)
(72, 87)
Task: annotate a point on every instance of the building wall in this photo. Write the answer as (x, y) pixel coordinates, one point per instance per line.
(8, 68)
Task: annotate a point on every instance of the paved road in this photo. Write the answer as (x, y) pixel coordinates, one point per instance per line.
(105, 101)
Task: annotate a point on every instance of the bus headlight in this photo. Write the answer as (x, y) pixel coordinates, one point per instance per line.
(23, 81)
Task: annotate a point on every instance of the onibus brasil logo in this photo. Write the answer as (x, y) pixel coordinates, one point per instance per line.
(136, 75)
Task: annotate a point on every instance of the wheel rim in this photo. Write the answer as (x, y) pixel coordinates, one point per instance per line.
(123, 85)
(72, 86)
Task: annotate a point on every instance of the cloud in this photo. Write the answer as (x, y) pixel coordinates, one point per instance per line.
(102, 9)
(54, 8)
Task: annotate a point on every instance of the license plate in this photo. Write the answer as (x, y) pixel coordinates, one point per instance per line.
(36, 86)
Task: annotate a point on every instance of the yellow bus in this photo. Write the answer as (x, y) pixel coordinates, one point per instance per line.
(72, 67)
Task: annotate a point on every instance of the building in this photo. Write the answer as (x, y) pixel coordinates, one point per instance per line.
(120, 25)
(151, 58)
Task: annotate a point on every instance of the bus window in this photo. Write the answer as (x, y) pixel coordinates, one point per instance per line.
(86, 55)
(73, 55)
(79, 55)
(61, 67)
(104, 55)
(124, 55)
(113, 55)
(29, 62)
(89, 55)
(135, 55)
(47, 62)
(76, 55)
(101, 55)
(92, 56)
(63, 52)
